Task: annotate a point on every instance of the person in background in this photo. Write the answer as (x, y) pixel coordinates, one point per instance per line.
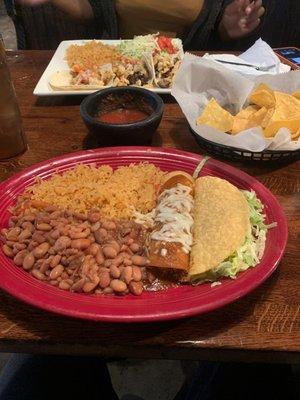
(197, 22)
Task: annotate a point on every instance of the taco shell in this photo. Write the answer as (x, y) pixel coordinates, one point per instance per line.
(221, 223)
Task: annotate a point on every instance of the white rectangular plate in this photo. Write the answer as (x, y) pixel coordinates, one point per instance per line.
(58, 63)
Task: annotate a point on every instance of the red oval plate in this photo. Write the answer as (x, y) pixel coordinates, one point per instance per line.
(169, 304)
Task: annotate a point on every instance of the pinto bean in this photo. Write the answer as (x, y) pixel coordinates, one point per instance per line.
(55, 261)
(4, 232)
(136, 273)
(136, 288)
(38, 237)
(108, 262)
(79, 234)
(77, 286)
(135, 247)
(93, 217)
(64, 285)
(126, 275)
(44, 266)
(80, 244)
(41, 250)
(8, 251)
(103, 269)
(19, 257)
(63, 230)
(19, 246)
(28, 261)
(114, 272)
(25, 234)
(32, 245)
(43, 226)
(115, 245)
(38, 274)
(55, 214)
(28, 225)
(10, 243)
(124, 247)
(86, 265)
(55, 234)
(64, 261)
(109, 225)
(127, 261)
(76, 262)
(118, 260)
(89, 287)
(125, 255)
(104, 279)
(80, 216)
(109, 251)
(125, 231)
(108, 290)
(51, 209)
(101, 235)
(118, 286)
(139, 260)
(13, 234)
(29, 217)
(95, 227)
(62, 243)
(93, 249)
(56, 271)
(64, 275)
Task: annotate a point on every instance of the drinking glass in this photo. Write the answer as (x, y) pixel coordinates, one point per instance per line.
(12, 137)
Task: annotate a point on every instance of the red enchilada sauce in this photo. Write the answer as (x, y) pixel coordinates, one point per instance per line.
(122, 116)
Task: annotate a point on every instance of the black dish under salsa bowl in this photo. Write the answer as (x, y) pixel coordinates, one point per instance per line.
(108, 114)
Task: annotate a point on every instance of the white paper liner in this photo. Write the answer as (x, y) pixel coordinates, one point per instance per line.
(198, 80)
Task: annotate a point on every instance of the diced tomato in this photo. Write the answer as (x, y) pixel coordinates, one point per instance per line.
(165, 43)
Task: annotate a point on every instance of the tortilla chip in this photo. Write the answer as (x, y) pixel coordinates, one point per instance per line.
(267, 117)
(221, 223)
(239, 125)
(286, 114)
(274, 126)
(263, 96)
(286, 107)
(296, 94)
(215, 116)
(255, 119)
(247, 112)
(296, 136)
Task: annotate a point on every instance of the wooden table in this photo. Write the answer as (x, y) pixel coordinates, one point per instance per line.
(263, 326)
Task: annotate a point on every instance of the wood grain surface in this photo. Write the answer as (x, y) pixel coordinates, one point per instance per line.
(263, 326)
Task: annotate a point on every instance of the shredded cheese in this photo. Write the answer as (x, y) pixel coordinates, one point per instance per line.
(174, 212)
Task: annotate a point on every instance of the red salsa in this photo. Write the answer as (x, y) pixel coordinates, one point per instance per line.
(122, 116)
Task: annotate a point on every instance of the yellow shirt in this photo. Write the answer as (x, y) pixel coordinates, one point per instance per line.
(169, 17)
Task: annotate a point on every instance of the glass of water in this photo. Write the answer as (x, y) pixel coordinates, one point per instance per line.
(12, 137)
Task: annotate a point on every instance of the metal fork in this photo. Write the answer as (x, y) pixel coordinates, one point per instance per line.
(263, 69)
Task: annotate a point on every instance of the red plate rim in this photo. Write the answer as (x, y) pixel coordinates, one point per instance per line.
(166, 305)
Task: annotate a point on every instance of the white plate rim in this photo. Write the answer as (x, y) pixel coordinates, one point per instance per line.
(57, 63)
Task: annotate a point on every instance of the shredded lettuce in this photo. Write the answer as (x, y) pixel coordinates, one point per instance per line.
(138, 46)
(250, 253)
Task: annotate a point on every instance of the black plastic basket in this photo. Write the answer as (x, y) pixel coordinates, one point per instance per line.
(237, 154)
